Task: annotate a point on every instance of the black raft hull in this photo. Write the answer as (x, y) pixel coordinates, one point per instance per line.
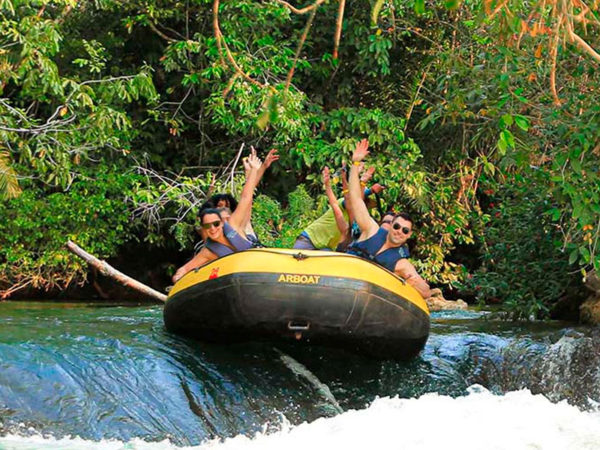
(322, 298)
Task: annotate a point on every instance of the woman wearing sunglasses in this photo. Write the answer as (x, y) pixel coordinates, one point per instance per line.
(385, 247)
(224, 238)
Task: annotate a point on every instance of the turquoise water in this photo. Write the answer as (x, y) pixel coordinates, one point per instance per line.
(101, 373)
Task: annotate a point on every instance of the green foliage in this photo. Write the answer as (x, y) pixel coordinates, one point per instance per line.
(487, 101)
(523, 265)
(498, 109)
(278, 227)
(267, 216)
(37, 225)
(9, 185)
(53, 119)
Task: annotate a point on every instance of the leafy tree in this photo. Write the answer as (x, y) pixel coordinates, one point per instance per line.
(56, 115)
(37, 224)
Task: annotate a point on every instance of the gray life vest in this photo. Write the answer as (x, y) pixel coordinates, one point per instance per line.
(237, 242)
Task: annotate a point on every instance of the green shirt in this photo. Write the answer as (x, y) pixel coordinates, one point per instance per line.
(324, 232)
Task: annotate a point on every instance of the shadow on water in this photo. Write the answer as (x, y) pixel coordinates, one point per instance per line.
(102, 373)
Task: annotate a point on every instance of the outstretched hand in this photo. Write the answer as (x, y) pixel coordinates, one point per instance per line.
(211, 187)
(377, 188)
(361, 151)
(367, 175)
(254, 161)
(271, 157)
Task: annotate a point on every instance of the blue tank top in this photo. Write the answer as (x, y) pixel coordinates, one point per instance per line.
(368, 249)
(237, 242)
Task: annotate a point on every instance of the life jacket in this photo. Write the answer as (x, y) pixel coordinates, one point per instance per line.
(237, 242)
(369, 247)
(253, 239)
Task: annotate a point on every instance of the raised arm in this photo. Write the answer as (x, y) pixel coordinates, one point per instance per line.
(271, 157)
(346, 192)
(238, 218)
(366, 223)
(340, 220)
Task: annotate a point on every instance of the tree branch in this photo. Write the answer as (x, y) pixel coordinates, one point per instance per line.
(338, 28)
(107, 270)
(222, 44)
(304, 10)
(554, 56)
(583, 45)
(160, 33)
(309, 22)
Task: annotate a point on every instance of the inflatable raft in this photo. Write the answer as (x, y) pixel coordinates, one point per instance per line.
(316, 296)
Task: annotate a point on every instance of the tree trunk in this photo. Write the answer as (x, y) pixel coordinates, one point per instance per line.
(109, 271)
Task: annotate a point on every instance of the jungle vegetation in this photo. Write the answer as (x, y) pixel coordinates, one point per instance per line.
(118, 117)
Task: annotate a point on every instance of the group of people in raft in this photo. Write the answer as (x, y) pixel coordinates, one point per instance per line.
(226, 226)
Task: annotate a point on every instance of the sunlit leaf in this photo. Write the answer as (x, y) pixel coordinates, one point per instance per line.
(452, 4)
(420, 7)
(375, 11)
(9, 183)
(522, 122)
(507, 120)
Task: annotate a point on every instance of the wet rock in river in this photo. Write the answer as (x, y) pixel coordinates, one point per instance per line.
(590, 309)
(437, 302)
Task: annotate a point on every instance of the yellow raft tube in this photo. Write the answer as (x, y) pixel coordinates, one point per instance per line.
(321, 297)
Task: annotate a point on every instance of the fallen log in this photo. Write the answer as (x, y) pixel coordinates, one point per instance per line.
(109, 271)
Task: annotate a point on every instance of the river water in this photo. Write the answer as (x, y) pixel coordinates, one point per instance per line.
(84, 376)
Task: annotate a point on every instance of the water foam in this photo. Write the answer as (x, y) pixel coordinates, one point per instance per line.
(516, 420)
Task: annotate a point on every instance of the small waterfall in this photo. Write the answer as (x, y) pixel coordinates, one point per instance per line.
(115, 376)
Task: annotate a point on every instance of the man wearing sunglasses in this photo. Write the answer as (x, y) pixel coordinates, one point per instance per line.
(385, 247)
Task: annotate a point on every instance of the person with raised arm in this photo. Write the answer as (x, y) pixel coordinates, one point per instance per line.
(375, 243)
(326, 232)
(224, 238)
(271, 157)
(340, 214)
(331, 231)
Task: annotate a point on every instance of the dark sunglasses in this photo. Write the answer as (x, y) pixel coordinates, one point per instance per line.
(207, 226)
(397, 226)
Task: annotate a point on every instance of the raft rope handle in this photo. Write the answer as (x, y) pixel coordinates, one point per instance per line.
(302, 256)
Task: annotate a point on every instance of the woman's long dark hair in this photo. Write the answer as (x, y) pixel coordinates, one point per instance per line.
(231, 201)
